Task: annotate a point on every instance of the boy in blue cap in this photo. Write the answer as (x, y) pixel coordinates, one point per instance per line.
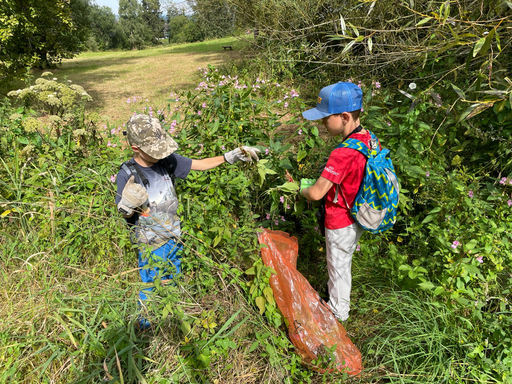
(338, 106)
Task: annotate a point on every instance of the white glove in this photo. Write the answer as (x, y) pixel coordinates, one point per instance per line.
(134, 195)
(244, 154)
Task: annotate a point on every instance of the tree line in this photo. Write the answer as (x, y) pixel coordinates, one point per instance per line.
(40, 33)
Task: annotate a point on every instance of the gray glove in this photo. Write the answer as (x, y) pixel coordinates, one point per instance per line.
(244, 154)
(134, 195)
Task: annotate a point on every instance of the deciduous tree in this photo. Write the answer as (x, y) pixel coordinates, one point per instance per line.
(39, 33)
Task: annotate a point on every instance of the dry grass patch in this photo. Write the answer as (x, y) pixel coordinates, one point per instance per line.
(112, 77)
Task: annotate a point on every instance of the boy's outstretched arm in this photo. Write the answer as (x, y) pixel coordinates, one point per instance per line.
(238, 154)
(317, 190)
(209, 163)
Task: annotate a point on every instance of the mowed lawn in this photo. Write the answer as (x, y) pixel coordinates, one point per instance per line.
(113, 77)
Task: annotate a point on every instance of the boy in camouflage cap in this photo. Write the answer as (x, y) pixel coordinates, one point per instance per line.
(146, 196)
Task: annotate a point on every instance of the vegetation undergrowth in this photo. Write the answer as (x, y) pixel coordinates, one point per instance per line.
(431, 296)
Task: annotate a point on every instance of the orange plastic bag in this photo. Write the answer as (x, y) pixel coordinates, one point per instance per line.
(312, 325)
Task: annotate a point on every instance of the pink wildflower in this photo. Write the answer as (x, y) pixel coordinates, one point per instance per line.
(358, 248)
(286, 105)
(276, 222)
(281, 199)
(266, 151)
(282, 218)
(268, 216)
(300, 132)
(470, 194)
(113, 131)
(509, 203)
(128, 101)
(427, 174)
(455, 244)
(480, 259)
(204, 105)
(113, 178)
(287, 206)
(377, 85)
(223, 148)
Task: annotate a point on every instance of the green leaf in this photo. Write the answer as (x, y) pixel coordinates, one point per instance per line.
(260, 302)
(185, 327)
(471, 245)
(354, 29)
(370, 44)
(251, 271)
(498, 43)
(438, 291)
(215, 127)
(446, 10)
(462, 301)
(348, 46)
(458, 91)
(414, 170)
(301, 154)
(456, 160)
(428, 219)
(289, 187)
(478, 46)
(343, 25)
(488, 41)
(254, 346)
(269, 295)
(471, 269)
(426, 285)
(423, 21)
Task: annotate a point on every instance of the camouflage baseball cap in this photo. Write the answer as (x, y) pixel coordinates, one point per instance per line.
(148, 134)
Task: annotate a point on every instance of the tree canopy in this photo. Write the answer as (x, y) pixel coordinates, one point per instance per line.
(40, 33)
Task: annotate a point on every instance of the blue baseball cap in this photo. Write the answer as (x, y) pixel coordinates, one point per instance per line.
(336, 98)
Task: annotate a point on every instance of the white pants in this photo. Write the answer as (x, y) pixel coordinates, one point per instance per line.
(340, 245)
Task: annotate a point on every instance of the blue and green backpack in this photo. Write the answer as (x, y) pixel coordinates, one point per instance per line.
(376, 203)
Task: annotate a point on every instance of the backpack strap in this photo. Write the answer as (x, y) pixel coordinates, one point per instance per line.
(361, 147)
(169, 167)
(132, 169)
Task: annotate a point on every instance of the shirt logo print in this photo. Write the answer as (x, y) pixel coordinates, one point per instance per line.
(330, 169)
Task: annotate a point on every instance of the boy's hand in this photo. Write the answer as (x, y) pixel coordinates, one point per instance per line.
(134, 195)
(244, 154)
(306, 183)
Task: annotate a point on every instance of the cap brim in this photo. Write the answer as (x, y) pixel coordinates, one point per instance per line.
(314, 114)
(161, 148)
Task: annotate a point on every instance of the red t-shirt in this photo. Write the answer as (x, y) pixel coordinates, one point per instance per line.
(345, 167)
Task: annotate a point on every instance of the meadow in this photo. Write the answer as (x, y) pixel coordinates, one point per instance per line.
(430, 297)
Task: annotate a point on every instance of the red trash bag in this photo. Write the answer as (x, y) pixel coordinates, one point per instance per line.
(312, 325)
